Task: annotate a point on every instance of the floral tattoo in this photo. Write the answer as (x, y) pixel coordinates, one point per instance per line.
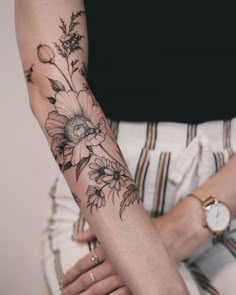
(76, 126)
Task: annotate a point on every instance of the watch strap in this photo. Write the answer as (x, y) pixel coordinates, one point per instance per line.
(205, 198)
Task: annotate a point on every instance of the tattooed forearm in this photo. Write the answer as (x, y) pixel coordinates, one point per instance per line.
(77, 125)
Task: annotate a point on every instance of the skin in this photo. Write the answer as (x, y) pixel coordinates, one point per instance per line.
(122, 266)
(80, 138)
(180, 229)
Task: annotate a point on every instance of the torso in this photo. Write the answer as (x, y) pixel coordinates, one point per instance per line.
(163, 60)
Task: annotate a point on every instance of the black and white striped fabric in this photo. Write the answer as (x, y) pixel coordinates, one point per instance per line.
(167, 160)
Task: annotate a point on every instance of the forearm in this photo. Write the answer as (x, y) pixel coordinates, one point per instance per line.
(181, 228)
(84, 147)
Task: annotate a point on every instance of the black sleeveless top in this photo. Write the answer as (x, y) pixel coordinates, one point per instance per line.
(163, 60)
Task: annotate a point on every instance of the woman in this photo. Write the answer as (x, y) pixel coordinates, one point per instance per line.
(170, 147)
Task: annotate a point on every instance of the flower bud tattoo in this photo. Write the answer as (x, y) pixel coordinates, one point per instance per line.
(45, 53)
(77, 126)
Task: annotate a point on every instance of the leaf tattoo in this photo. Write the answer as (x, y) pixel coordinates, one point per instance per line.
(28, 74)
(81, 165)
(51, 99)
(76, 198)
(63, 26)
(129, 197)
(77, 127)
(56, 85)
(83, 70)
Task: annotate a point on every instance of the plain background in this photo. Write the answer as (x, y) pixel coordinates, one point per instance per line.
(27, 170)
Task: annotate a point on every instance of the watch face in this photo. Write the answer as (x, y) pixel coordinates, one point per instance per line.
(217, 216)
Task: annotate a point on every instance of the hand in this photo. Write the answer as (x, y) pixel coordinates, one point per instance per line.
(78, 281)
(182, 233)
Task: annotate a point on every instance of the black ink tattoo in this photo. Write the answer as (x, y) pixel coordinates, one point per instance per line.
(84, 70)
(129, 197)
(76, 198)
(69, 42)
(76, 126)
(28, 74)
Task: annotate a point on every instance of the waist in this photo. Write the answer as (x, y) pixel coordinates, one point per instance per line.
(186, 95)
(172, 136)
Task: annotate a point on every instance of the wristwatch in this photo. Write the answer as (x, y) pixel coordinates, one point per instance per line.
(216, 214)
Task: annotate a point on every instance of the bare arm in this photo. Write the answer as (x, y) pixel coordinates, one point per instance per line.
(52, 41)
(181, 228)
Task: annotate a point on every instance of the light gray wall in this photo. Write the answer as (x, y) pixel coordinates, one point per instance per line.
(27, 169)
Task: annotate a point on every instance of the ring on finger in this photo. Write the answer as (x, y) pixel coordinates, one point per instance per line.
(95, 257)
(92, 277)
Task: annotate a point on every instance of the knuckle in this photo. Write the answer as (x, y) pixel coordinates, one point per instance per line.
(81, 264)
(69, 275)
(83, 281)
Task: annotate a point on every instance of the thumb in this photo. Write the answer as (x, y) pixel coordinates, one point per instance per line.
(85, 236)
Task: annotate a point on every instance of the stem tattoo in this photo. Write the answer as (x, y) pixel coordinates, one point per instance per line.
(77, 125)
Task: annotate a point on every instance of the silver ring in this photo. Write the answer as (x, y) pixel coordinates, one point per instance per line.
(92, 277)
(95, 257)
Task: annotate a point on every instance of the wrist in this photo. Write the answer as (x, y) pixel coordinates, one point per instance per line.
(195, 218)
(192, 223)
(181, 228)
(216, 214)
(222, 185)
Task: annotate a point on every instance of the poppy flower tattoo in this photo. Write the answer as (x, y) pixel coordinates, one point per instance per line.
(79, 124)
(76, 125)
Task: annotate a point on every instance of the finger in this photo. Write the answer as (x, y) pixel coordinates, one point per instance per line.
(85, 236)
(121, 291)
(83, 265)
(105, 286)
(85, 281)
